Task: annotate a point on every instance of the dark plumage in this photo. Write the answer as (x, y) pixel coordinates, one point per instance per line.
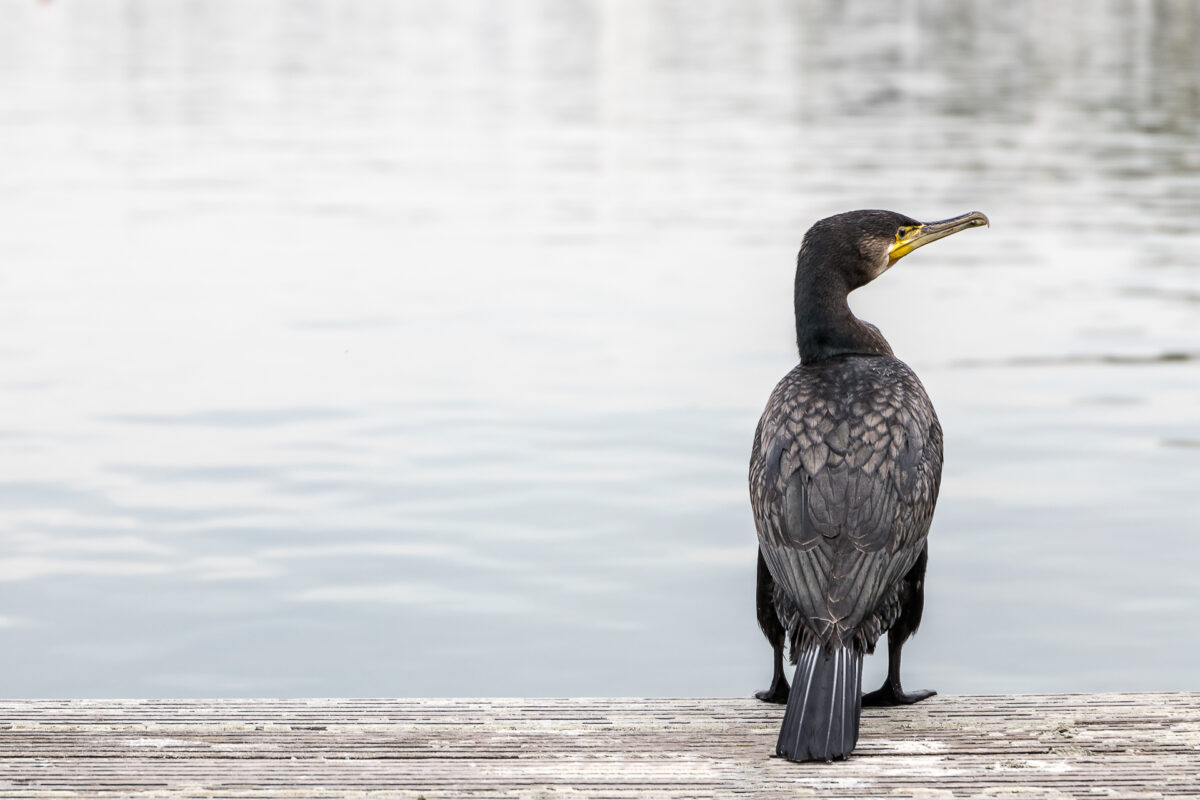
(844, 477)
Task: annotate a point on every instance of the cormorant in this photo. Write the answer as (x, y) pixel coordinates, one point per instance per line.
(844, 476)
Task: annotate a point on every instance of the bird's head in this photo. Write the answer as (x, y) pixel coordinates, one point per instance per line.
(862, 245)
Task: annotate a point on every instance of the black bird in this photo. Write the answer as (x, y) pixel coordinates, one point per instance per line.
(844, 476)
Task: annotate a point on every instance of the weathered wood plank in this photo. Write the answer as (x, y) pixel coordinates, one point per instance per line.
(1104, 745)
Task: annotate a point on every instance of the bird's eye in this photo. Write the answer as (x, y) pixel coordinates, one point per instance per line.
(903, 232)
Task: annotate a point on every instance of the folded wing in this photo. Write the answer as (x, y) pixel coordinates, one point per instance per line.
(844, 480)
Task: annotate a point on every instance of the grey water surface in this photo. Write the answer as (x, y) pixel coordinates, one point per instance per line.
(372, 348)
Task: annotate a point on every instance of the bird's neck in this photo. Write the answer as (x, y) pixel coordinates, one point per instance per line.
(825, 326)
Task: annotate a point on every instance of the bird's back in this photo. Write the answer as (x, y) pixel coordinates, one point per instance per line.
(844, 476)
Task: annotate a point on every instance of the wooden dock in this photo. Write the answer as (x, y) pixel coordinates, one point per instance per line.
(1043, 746)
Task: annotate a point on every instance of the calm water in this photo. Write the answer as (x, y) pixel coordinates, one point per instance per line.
(368, 348)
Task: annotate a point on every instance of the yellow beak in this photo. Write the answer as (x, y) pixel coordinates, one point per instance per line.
(926, 232)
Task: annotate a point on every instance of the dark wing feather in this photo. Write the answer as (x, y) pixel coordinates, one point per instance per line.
(843, 479)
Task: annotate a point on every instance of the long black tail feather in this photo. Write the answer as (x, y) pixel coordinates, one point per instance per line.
(821, 721)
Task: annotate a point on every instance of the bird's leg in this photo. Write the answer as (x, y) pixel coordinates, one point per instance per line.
(768, 620)
(779, 689)
(912, 602)
(892, 693)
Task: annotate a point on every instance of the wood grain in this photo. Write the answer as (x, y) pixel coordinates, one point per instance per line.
(1048, 746)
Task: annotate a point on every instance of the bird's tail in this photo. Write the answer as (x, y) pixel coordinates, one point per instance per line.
(821, 721)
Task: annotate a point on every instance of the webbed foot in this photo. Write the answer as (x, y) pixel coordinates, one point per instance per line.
(888, 695)
(777, 693)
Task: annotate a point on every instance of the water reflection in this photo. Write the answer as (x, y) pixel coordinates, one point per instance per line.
(350, 348)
